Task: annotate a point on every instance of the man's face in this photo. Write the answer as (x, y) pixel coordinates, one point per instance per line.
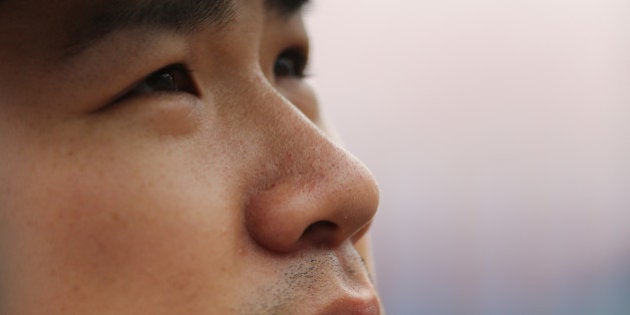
(167, 157)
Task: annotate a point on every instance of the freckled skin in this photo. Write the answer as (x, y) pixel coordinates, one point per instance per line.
(235, 200)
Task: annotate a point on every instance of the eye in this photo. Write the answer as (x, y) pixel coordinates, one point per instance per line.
(290, 64)
(171, 79)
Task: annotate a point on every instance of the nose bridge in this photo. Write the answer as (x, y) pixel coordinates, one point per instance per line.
(315, 191)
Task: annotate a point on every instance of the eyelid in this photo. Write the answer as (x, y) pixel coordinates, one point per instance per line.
(127, 92)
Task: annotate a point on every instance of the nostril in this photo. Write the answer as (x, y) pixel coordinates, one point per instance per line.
(321, 233)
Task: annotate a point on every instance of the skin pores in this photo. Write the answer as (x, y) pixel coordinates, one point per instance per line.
(213, 189)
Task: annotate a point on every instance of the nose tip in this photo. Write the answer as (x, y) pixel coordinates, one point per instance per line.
(323, 201)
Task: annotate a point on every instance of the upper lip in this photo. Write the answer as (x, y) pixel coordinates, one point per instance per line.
(357, 295)
(354, 305)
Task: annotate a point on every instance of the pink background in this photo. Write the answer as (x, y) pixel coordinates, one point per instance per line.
(499, 132)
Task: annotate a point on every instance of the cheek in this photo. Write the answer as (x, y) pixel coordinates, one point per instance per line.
(365, 250)
(163, 115)
(114, 227)
(121, 227)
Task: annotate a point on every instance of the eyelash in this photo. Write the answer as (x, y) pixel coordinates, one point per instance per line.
(174, 78)
(291, 63)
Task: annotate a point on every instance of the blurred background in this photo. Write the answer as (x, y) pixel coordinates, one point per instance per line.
(499, 132)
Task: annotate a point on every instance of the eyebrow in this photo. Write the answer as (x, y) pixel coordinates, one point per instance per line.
(286, 7)
(182, 16)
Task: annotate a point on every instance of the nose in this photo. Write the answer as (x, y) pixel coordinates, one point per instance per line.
(314, 193)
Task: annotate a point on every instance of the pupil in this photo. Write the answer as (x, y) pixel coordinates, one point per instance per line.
(163, 81)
